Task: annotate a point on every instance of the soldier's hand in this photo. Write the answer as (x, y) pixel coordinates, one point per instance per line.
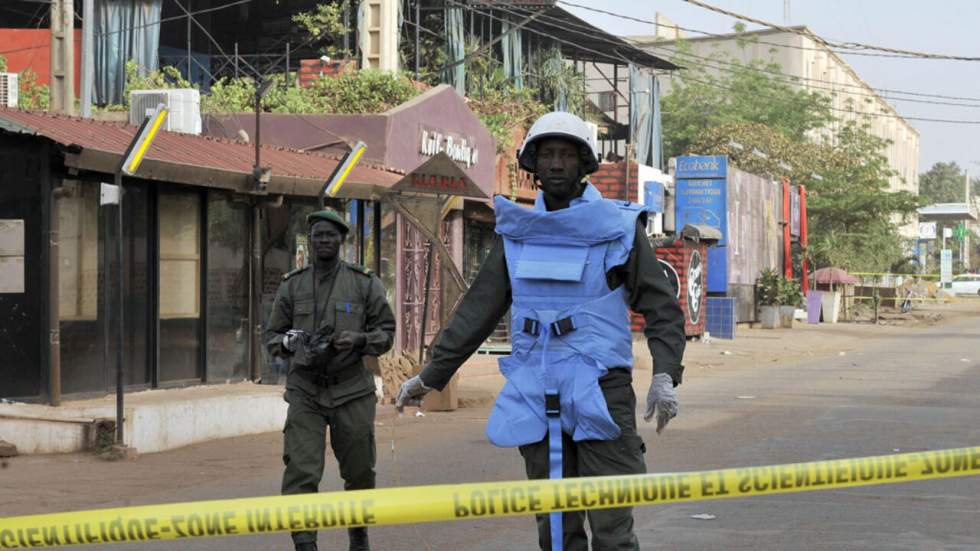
(293, 339)
(411, 393)
(661, 401)
(348, 340)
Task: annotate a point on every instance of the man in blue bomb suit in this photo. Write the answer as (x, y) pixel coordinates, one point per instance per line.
(569, 269)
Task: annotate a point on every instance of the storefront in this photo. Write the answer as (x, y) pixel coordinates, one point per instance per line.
(416, 138)
(201, 244)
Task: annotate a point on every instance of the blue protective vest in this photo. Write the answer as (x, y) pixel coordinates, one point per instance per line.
(567, 327)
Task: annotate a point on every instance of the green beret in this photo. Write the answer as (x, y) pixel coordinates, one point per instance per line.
(328, 215)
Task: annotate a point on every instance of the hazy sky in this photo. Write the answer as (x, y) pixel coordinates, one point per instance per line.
(944, 26)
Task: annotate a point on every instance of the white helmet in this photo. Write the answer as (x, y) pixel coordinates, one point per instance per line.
(559, 124)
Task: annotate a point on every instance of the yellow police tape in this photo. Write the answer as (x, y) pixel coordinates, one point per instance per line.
(949, 299)
(468, 501)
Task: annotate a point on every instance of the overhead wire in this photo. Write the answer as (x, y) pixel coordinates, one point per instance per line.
(833, 86)
(859, 113)
(705, 61)
(720, 35)
(187, 14)
(830, 43)
(18, 12)
(835, 109)
(792, 79)
(603, 55)
(893, 115)
(775, 45)
(144, 25)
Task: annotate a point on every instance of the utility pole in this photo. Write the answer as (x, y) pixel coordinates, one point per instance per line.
(964, 261)
(63, 56)
(88, 56)
(190, 20)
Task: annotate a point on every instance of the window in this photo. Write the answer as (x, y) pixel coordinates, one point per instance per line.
(81, 261)
(180, 256)
(227, 289)
(389, 254)
(83, 361)
(78, 253)
(180, 286)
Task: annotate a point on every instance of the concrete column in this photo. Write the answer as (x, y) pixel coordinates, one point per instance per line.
(62, 57)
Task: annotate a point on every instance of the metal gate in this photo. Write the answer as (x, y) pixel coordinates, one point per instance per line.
(415, 254)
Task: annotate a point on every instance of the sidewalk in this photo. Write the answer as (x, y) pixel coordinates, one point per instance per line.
(155, 420)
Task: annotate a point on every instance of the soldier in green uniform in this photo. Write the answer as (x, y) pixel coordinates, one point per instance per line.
(328, 386)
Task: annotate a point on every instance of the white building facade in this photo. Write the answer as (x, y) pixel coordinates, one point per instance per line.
(816, 68)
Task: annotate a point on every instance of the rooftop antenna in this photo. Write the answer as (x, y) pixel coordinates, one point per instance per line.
(786, 11)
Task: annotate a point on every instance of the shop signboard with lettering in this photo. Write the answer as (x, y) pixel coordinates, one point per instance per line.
(702, 198)
(459, 148)
(440, 175)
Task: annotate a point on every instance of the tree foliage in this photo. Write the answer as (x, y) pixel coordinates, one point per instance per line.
(30, 95)
(943, 183)
(166, 77)
(557, 83)
(753, 92)
(367, 91)
(503, 110)
(768, 125)
(325, 27)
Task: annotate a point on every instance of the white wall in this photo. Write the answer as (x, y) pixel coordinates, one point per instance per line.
(803, 58)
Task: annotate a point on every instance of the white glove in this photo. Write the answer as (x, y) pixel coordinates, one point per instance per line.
(292, 339)
(411, 393)
(662, 400)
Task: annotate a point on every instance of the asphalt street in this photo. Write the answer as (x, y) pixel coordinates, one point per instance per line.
(893, 389)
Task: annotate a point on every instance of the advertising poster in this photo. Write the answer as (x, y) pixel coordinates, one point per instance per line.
(302, 257)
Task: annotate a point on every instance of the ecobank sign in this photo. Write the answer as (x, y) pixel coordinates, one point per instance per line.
(702, 167)
(459, 149)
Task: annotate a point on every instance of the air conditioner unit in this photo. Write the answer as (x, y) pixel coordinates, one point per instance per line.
(184, 105)
(8, 89)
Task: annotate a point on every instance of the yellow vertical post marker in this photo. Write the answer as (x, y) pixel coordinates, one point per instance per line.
(340, 174)
(128, 165)
(144, 138)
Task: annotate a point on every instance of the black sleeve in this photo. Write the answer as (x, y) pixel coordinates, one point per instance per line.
(651, 294)
(486, 301)
(379, 321)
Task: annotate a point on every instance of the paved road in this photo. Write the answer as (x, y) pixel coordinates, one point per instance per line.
(902, 389)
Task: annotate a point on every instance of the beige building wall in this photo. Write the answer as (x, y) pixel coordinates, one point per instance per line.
(820, 70)
(379, 35)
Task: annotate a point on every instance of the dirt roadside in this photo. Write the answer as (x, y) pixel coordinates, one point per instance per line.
(752, 347)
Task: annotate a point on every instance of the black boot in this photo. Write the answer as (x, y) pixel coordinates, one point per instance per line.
(358, 539)
(308, 546)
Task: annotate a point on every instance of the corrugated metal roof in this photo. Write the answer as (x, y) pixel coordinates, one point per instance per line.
(195, 152)
(947, 211)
